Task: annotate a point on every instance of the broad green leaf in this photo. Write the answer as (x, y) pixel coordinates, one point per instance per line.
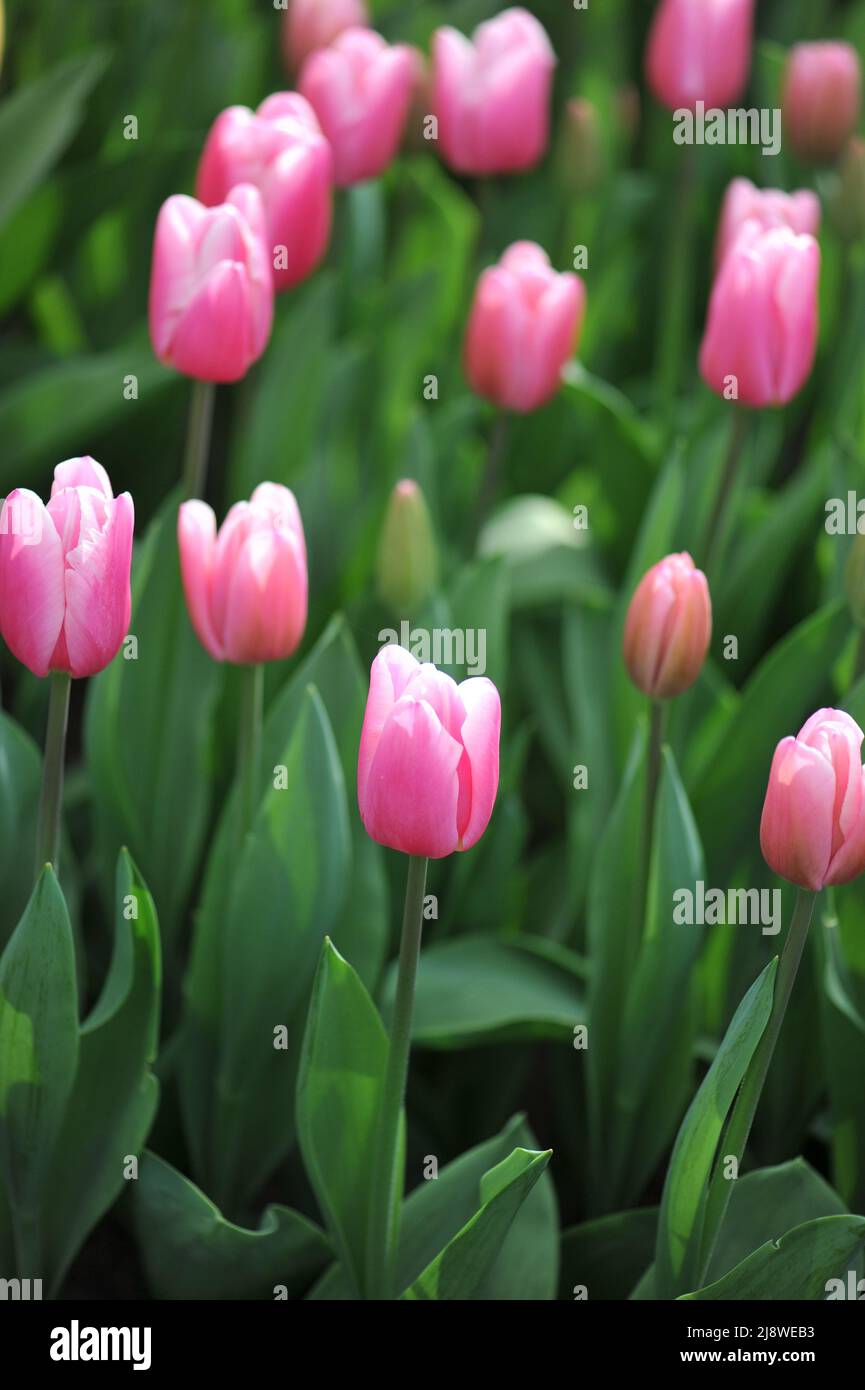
(286, 893)
(148, 731)
(38, 1056)
(114, 1099)
(680, 1228)
(603, 1259)
(38, 120)
(843, 1029)
(478, 990)
(799, 1266)
(457, 1271)
(190, 1251)
(338, 1097)
(20, 779)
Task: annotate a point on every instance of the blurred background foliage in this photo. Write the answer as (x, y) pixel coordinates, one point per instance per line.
(336, 409)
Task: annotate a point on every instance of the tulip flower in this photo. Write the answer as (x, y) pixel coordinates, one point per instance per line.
(813, 827)
(428, 769)
(211, 287)
(761, 333)
(523, 329)
(64, 572)
(668, 628)
(768, 207)
(312, 24)
(360, 88)
(822, 93)
(491, 94)
(64, 601)
(699, 50)
(280, 149)
(246, 587)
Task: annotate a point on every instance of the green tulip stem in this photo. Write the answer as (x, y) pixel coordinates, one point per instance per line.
(388, 1175)
(249, 746)
(738, 1129)
(673, 334)
(496, 450)
(51, 799)
(710, 551)
(657, 721)
(198, 439)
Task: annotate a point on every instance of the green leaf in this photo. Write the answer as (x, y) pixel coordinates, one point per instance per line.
(607, 1256)
(20, 780)
(287, 890)
(843, 1028)
(190, 1251)
(38, 1055)
(338, 1096)
(680, 1229)
(460, 1267)
(478, 990)
(798, 1266)
(38, 120)
(148, 730)
(114, 1099)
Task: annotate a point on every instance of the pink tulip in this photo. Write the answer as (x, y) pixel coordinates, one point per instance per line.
(822, 91)
(813, 827)
(281, 150)
(312, 24)
(491, 94)
(64, 571)
(428, 768)
(211, 285)
(700, 50)
(246, 588)
(769, 207)
(668, 628)
(761, 334)
(360, 89)
(523, 328)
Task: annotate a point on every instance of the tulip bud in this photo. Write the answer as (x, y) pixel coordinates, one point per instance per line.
(854, 579)
(523, 328)
(699, 50)
(246, 588)
(581, 151)
(491, 94)
(280, 149)
(847, 200)
(64, 572)
(428, 766)
(822, 90)
(812, 830)
(360, 89)
(313, 24)
(211, 286)
(668, 628)
(407, 557)
(761, 332)
(768, 207)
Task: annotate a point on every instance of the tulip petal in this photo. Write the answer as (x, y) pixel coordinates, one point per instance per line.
(412, 788)
(196, 537)
(481, 732)
(796, 825)
(391, 672)
(32, 595)
(98, 600)
(267, 599)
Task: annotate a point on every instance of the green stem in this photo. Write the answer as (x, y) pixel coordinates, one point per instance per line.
(387, 1180)
(742, 1118)
(496, 449)
(676, 298)
(657, 720)
(27, 1239)
(249, 746)
(198, 439)
(51, 800)
(710, 550)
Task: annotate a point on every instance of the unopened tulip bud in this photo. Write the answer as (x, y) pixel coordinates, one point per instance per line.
(700, 50)
(761, 331)
(854, 579)
(847, 200)
(407, 555)
(64, 572)
(428, 767)
(312, 24)
(581, 151)
(812, 830)
(668, 628)
(491, 94)
(523, 328)
(246, 588)
(768, 207)
(822, 92)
